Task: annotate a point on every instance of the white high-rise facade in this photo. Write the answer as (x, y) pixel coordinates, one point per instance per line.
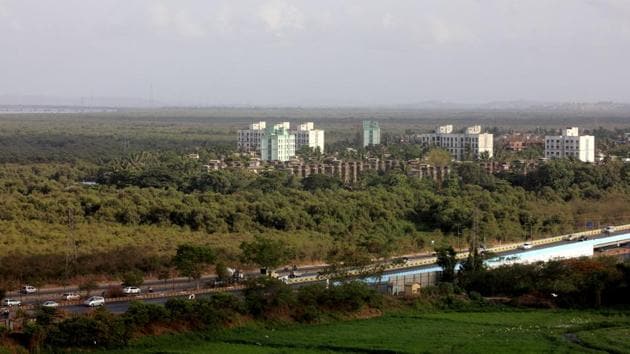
(307, 135)
(284, 140)
(277, 144)
(371, 133)
(249, 139)
(570, 144)
(462, 146)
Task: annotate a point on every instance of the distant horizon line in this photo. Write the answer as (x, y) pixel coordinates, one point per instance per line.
(429, 104)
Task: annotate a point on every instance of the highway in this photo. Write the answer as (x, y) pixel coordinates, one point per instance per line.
(180, 287)
(173, 284)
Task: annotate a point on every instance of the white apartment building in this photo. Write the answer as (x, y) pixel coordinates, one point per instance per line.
(249, 139)
(307, 135)
(371, 133)
(570, 144)
(277, 144)
(462, 146)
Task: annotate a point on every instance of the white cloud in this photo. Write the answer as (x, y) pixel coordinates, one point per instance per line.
(179, 21)
(223, 20)
(160, 14)
(280, 17)
(8, 19)
(388, 21)
(445, 32)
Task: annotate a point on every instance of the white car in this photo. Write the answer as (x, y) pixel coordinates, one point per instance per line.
(526, 246)
(11, 302)
(95, 301)
(131, 290)
(50, 303)
(284, 279)
(28, 289)
(71, 296)
(609, 229)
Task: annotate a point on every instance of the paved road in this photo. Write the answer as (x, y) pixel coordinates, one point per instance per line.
(186, 284)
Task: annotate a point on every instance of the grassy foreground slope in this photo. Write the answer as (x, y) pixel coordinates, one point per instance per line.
(541, 331)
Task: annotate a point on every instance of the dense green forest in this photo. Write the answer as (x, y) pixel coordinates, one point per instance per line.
(146, 198)
(143, 206)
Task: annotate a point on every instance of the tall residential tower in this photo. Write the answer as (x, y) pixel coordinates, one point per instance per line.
(249, 139)
(371, 133)
(277, 144)
(307, 135)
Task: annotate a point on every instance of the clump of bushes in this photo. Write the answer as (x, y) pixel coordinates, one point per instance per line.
(582, 282)
(264, 298)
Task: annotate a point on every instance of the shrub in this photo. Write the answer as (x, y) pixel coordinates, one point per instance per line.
(226, 302)
(308, 313)
(180, 309)
(446, 288)
(313, 295)
(132, 278)
(101, 330)
(266, 294)
(141, 314)
(352, 296)
(475, 296)
(221, 271)
(205, 313)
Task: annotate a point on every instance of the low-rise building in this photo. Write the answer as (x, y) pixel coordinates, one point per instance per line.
(472, 144)
(570, 144)
(520, 141)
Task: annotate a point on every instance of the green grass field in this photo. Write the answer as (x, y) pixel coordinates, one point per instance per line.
(447, 332)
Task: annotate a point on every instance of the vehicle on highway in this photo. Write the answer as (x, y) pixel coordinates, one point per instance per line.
(50, 303)
(583, 238)
(237, 276)
(129, 290)
(71, 296)
(11, 302)
(268, 272)
(609, 229)
(95, 301)
(28, 289)
(218, 283)
(284, 279)
(400, 260)
(526, 246)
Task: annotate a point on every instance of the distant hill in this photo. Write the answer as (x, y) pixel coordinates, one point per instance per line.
(131, 102)
(42, 100)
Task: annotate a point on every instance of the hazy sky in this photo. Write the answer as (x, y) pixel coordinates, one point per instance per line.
(318, 51)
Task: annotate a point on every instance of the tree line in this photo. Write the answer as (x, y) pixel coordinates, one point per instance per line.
(148, 204)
